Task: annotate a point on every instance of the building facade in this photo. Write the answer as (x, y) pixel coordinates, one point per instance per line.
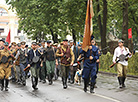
(9, 21)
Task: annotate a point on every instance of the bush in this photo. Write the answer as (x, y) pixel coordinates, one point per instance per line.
(106, 61)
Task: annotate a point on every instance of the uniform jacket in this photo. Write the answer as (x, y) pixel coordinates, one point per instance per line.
(94, 54)
(30, 56)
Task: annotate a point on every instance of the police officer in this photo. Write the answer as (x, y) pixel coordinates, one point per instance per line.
(22, 61)
(33, 61)
(67, 59)
(5, 66)
(89, 66)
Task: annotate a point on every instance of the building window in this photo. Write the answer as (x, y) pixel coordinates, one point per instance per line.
(3, 12)
(1, 30)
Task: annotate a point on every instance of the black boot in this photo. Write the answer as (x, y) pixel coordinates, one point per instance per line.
(6, 85)
(65, 81)
(92, 87)
(123, 81)
(36, 82)
(33, 83)
(50, 79)
(72, 79)
(85, 85)
(2, 84)
(120, 82)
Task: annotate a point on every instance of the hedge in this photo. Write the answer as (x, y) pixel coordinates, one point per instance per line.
(106, 61)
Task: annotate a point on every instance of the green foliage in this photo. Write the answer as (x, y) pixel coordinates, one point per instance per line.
(106, 61)
(133, 64)
(39, 18)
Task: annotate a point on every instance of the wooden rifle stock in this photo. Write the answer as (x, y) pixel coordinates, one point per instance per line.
(112, 65)
(26, 68)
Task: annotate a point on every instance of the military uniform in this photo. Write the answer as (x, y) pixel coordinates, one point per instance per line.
(35, 66)
(22, 62)
(13, 68)
(89, 67)
(66, 60)
(43, 70)
(49, 54)
(5, 67)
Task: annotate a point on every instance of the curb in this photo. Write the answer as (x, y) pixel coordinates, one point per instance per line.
(114, 74)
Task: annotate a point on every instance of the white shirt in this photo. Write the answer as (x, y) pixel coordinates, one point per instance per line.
(118, 51)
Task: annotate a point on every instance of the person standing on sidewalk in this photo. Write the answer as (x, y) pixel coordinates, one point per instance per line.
(121, 65)
(67, 59)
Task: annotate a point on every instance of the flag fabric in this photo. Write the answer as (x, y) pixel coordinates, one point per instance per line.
(129, 33)
(8, 38)
(88, 29)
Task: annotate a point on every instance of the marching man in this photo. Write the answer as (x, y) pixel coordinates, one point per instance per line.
(122, 64)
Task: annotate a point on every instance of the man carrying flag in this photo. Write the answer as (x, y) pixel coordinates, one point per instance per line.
(89, 51)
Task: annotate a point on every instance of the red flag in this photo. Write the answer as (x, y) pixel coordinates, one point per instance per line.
(88, 30)
(129, 33)
(8, 38)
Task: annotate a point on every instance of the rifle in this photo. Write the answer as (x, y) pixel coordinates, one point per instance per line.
(78, 62)
(122, 57)
(34, 60)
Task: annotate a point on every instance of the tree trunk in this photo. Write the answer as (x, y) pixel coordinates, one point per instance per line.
(103, 36)
(125, 23)
(99, 17)
(74, 36)
(54, 36)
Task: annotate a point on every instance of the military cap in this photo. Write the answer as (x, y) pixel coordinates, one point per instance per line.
(65, 40)
(26, 45)
(19, 45)
(6, 43)
(79, 45)
(61, 43)
(71, 41)
(13, 43)
(2, 39)
(23, 43)
(120, 40)
(92, 37)
(55, 44)
(48, 41)
(43, 41)
(39, 44)
(34, 43)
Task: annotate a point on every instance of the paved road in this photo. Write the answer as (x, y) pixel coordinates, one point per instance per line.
(107, 91)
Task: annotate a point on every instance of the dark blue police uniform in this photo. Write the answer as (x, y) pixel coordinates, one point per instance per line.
(89, 67)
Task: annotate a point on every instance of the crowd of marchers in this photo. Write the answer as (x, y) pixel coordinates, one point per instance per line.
(42, 62)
